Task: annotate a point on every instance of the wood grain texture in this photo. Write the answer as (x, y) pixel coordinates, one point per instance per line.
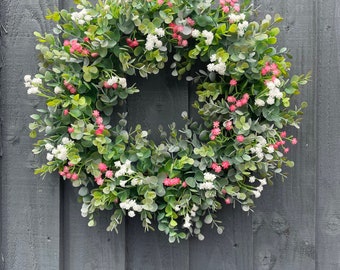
(160, 102)
(284, 227)
(30, 206)
(328, 119)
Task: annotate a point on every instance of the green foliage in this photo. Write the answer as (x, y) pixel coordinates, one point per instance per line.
(244, 93)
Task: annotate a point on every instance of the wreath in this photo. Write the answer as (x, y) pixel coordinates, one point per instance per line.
(237, 146)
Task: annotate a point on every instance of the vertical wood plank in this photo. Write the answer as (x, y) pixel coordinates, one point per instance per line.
(83, 247)
(328, 118)
(284, 221)
(29, 205)
(231, 250)
(160, 102)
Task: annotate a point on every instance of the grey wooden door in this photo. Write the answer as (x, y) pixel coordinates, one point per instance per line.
(296, 224)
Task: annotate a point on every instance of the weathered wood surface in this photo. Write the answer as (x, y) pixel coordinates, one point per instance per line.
(29, 206)
(296, 224)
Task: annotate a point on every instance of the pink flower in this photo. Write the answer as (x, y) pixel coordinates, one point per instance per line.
(245, 96)
(169, 4)
(98, 131)
(94, 54)
(216, 131)
(67, 43)
(160, 2)
(227, 200)
(225, 9)
(237, 8)
(231, 99)
(229, 125)
(286, 150)
(216, 124)
(99, 180)
(65, 112)
(109, 174)
(240, 138)
(232, 108)
(86, 39)
(95, 113)
(184, 184)
(190, 21)
(283, 134)
(115, 86)
(74, 176)
(171, 181)
(212, 137)
(99, 120)
(239, 103)
(225, 164)
(70, 130)
(106, 85)
(233, 82)
(214, 165)
(294, 141)
(184, 43)
(102, 167)
(218, 169)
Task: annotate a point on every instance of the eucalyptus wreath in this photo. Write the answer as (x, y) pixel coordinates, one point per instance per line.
(228, 156)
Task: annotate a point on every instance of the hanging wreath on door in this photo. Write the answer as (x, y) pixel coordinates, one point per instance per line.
(243, 99)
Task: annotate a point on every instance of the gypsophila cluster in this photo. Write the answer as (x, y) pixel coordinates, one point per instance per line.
(226, 157)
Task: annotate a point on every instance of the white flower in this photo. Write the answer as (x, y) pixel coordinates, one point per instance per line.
(259, 102)
(209, 176)
(270, 149)
(206, 186)
(263, 181)
(213, 58)
(209, 37)
(33, 90)
(245, 208)
(123, 183)
(257, 193)
(27, 78)
(122, 82)
(131, 213)
(58, 90)
(270, 100)
(37, 81)
(211, 67)
(66, 141)
(259, 188)
(49, 147)
(160, 32)
(60, 152)
(195, 33)
(118, 164)
(49, 156)
(187, 221)
(177, 208)
(251, 179)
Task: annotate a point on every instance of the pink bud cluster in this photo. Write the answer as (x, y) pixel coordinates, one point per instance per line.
(215, 130)
(67, 174)
(237, 103)
(108, 86)
(103, 168)
(270, 68)
(70, 87)
(132, 43)
(281, 142)
(161, 2)
(176, 34)
(218, 168)
(228, 125)
(227, 5)
(76, 47)
(169, 182)
(99, 122)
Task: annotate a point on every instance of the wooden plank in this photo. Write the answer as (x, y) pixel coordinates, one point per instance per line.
(84, 247)
(328, 119)
(161, 101)
(29, 206)
(284, 225)
(233, 249)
